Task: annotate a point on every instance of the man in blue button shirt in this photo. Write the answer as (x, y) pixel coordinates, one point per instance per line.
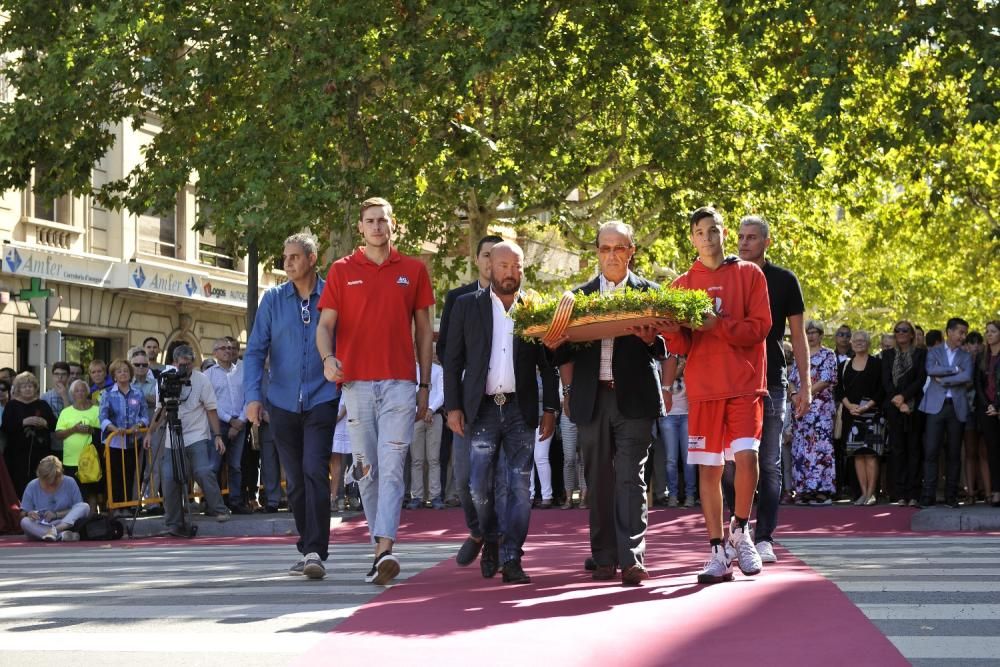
(302, 404)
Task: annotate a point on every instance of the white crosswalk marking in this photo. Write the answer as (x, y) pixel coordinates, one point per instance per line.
(937, 599)
(208, 603)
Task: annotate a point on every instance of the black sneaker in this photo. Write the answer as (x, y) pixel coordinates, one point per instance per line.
(269, 509)
(312, 566)
(468, 552)
(489, 561)
(240, 509)
(514, 574)
(952, 503)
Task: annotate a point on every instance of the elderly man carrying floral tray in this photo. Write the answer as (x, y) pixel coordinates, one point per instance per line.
(613, 391)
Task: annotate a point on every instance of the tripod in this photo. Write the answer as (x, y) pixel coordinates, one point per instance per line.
(175, 437)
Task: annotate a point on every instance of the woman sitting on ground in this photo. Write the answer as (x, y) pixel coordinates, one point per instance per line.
(52, 504)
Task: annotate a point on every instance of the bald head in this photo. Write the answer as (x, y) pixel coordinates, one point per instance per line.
(506, 267)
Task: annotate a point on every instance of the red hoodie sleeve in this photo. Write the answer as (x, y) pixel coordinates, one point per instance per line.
(753, 328)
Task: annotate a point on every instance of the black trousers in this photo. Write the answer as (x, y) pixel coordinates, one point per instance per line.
(991, 433)
(906, 452)
(614, 450)
(304, 442)
(945, 425)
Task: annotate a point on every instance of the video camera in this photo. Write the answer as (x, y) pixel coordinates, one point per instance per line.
(171, 383)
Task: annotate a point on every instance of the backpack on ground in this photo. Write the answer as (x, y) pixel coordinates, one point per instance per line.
(99, 527)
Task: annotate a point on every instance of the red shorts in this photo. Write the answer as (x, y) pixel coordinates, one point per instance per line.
(719, 429)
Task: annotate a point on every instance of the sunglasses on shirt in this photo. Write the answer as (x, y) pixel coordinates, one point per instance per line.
(306, 316)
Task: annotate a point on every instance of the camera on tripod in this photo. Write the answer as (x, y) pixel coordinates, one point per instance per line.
(171, 383)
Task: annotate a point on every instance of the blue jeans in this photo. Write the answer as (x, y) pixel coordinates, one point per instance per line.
(198, 467)
(495, 429)
(380, 421)
(769, 460)
(673, 430)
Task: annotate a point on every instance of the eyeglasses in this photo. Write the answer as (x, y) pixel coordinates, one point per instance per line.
(843, 334)
(306, 316)
(140, 365)
(616, 249)
(225, 347)
(902, 330)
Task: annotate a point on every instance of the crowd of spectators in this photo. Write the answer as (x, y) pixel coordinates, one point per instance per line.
(914, 422)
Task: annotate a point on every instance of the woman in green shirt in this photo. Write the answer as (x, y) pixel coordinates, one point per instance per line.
(75, 428)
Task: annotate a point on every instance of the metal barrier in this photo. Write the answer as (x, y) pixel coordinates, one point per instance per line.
(117, 462)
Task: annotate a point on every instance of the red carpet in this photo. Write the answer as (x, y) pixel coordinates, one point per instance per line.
(449, 615)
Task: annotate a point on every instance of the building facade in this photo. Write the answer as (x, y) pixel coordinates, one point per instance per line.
(116, 276)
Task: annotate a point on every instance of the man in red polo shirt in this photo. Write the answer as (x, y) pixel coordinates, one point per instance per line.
(373, 298)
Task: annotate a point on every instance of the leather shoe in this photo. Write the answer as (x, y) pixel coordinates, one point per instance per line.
(604, 573)
(634, 575)
(468, 552)
(489, 561)
(239, 508)
(269, 509)
(513, 574)
(590, 564)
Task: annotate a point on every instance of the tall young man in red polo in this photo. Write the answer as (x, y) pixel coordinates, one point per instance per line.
(726, 381)
(373, 298)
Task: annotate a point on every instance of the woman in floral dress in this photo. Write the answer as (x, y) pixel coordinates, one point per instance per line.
(812, 435)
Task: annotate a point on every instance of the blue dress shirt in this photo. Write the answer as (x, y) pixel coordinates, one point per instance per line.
(295, 370)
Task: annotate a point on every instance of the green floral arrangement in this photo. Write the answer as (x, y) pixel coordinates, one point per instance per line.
(686, 306)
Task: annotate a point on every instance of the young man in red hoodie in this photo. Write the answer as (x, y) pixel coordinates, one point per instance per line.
(726, 376)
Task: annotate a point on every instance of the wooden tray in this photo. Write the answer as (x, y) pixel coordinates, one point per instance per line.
(596, 327)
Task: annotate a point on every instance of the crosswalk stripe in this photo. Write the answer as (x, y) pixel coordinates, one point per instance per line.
(904, 582)
(941, 611)
(906, 586)
(949, 649)
(74, 611)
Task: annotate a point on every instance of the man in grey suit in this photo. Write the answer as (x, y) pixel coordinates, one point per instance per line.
(949, 369)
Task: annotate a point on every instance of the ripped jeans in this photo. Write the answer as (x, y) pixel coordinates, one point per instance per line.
(380, 419)
(497, 427)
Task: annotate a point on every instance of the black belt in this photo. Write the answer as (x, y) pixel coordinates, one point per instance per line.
(501, 399)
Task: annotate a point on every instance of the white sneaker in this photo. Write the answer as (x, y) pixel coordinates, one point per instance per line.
(746, 553)
(766, 551)
(726, 543)
(717, 569)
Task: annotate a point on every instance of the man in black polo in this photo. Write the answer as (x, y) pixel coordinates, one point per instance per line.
(786, 302)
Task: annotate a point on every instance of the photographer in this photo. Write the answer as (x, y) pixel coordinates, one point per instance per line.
(191, 392)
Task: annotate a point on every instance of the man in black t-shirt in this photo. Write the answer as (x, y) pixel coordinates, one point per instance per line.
(785, 296)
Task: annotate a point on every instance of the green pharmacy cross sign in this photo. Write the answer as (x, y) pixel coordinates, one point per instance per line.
(36, 291)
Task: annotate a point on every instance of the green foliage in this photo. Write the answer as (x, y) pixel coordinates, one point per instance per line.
(688, 306)
(866, 132)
